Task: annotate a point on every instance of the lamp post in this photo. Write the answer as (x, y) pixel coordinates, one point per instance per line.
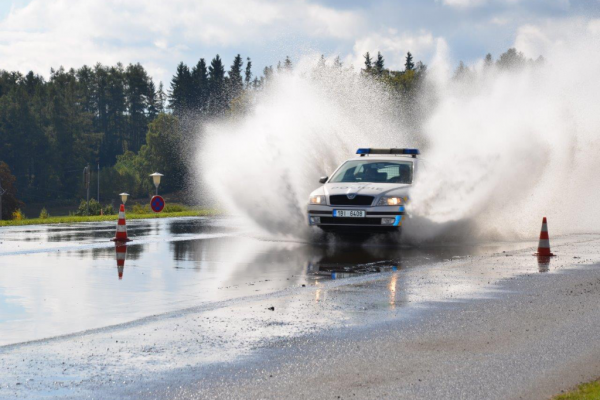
(156, 179)
(124, 197)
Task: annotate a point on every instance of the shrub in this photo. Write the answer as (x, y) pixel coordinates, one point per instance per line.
(108, 210)
(18, 215)
(95, 208)
(141, 209)
(44, 213)
(175, 208)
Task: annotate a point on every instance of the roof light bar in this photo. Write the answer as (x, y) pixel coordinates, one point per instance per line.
(363, 151)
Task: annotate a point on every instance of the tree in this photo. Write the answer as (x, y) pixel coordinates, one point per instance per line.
(409, 65)
(216, 82)
(235, 81)
(511, 59)
(337, 63)
(200, 91)
(248, 75)
(368, 62)
(287, 64)
(180, 93)
(462, 72)
(139, 96)
(9, 202)
(379, 64)
(161, 152)
(161, 99)
(489, 61)
(322, 63)
(268, 73)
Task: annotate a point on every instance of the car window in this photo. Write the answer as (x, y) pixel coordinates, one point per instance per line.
(375, 172)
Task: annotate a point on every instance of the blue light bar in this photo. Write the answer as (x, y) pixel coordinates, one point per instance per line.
(363, 151)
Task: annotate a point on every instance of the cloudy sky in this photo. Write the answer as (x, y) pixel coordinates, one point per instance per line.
(40, 34)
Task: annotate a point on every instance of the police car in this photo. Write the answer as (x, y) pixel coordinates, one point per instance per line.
(366, 193)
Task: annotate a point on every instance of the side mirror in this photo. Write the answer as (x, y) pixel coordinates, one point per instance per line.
(323, 179)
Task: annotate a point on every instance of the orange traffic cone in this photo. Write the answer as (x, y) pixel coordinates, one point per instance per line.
(544, 246)
(121, 235)
(121, 250)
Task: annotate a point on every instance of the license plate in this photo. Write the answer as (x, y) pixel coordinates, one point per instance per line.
(349, 213)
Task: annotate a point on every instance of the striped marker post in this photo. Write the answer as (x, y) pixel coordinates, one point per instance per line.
(121, 250)
(121, 235)
(544, 245)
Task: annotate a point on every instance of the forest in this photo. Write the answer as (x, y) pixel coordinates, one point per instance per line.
(120, 123)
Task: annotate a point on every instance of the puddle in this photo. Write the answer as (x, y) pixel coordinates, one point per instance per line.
(56, 280)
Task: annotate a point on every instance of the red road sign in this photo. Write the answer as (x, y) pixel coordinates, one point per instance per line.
(157, 203)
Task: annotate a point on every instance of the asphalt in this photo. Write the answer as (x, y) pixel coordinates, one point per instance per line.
(495, 325)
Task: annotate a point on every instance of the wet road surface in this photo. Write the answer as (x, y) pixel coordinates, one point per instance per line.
(205, 308)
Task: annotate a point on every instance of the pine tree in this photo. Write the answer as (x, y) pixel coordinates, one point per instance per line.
(337, 63)
(248, 75)
(511, 59)
(181, 84)
(217, 103)
(161, 99)
(152, 102)
(235, 82)
(368, 62)
(379, 64)
(287, 64)
(409, 65)
(200, 91)
(489, 61)
(268, 72)
(138, 95)
(322, 62)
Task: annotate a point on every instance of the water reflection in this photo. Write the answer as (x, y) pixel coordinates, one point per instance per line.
(121, 254)
(543, 263)
(173, 264)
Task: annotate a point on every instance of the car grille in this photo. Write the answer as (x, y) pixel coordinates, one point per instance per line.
(350, 221)
(343, 200)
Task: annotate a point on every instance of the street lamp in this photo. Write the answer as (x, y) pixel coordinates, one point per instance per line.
(124, 197)
(156, 178)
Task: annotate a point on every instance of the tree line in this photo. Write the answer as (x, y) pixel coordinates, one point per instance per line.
(117, 118)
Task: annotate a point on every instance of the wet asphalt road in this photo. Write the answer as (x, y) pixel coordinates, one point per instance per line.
(437, 322)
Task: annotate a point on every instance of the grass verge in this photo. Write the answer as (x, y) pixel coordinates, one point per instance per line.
(587, 391)
(96, 218)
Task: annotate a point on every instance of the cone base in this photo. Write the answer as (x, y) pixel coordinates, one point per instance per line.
(544, 255)
(120, 240)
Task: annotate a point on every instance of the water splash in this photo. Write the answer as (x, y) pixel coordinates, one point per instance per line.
(502, 149)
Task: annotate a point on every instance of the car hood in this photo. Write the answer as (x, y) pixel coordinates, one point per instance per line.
(368, 189)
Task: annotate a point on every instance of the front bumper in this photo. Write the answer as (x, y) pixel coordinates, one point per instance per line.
(383, 217)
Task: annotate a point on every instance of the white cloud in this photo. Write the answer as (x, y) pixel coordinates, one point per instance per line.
(50, 33)
(394, 47)
(551, 37)
(464, 3)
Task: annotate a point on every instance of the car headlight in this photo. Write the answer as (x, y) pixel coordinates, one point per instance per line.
(390, 201)
(319, 199)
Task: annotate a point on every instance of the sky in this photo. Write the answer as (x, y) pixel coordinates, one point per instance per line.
(39, 35)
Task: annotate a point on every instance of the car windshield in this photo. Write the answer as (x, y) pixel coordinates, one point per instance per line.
(375, 171)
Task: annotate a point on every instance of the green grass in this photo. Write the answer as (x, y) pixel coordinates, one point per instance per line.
(96, 218)
(587, 391)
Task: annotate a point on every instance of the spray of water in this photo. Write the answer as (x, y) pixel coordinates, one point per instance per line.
(501, 149)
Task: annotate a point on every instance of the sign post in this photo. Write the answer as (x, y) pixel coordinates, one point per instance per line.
(157, 203)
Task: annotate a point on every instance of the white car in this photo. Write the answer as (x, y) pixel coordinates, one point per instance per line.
(365, 193)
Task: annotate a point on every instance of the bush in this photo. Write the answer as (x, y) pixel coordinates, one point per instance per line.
(95, 208)
(17, 215)
(175, 208)
(44, 213)
(141, 209)
(109, 210)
